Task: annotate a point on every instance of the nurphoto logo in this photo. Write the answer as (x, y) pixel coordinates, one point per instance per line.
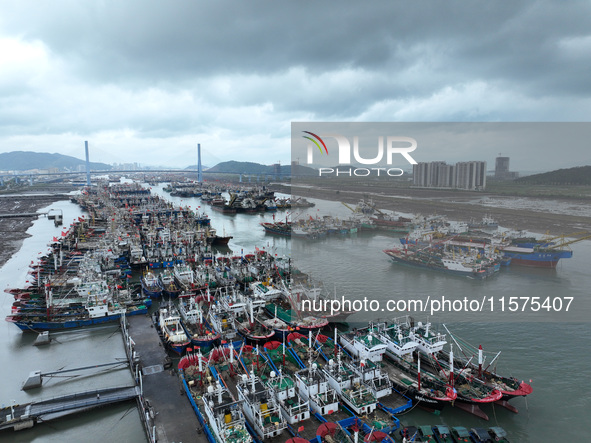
(395, 145)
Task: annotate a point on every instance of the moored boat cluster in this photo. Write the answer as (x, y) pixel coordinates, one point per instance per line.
(255, 365)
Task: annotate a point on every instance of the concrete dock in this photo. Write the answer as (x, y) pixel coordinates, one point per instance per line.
(166, 411)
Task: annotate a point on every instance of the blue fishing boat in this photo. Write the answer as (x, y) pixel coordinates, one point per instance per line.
(151, 286)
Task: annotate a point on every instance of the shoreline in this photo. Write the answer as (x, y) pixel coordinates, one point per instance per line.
(13, 231)
(418, 202)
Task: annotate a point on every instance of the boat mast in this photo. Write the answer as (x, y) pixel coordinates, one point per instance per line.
(451, 366)
(479, 361)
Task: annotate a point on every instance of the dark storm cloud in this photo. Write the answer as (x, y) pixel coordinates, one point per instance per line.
(241, 69)
(167, 42)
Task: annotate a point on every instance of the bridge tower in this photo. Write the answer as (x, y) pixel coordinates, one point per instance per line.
(199, 168)
(87, 164)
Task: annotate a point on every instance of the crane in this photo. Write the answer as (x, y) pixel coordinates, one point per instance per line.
(564, 243)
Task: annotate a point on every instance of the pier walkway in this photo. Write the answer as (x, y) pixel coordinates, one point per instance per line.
(26, 415)
(164, 408)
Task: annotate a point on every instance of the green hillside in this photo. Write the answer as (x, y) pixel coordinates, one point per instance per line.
(580, 175)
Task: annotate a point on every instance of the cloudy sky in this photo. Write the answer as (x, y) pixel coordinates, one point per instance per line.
(145, 81)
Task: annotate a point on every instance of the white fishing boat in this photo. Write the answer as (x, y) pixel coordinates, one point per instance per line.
(313, 386)
(349, 386)
(224, 415)
(260, 407)
(293, 407)
(364, 344)
(398, 337)
(173, 333)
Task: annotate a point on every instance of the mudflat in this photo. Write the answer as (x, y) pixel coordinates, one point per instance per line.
(461, 205)
(13, 230)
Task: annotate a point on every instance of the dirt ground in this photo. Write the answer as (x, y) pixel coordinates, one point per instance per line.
(454, 205)
(14, 230)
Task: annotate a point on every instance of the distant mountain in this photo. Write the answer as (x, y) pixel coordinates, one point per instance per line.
(580, 175)
(250, 168)
(26, 160)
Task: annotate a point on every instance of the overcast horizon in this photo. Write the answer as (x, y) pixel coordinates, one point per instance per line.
(145, 82)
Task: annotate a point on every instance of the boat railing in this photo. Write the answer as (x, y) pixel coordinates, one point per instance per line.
(327, 397)
(360, 396)
(438, 339)
(297, 409)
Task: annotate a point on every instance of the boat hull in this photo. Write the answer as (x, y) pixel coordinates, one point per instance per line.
(35, 326)
(480, 275)
(547, 259)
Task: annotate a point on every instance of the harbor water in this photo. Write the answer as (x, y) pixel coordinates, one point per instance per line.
(551, 349)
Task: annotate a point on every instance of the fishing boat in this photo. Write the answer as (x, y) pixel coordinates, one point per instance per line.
(392, 223)
(260, 407)
(224, 415)
(171, 329)
(277, 228)
(151, 285)
(480, 435)
(223, 321)
(94, 314)
(200, 332)
(251, 327)
(436, 260)
(313, 386)
(184, 276)
(286, 308)
(461, 434)
(364, 344)
(361, 431)
(84, 304)
(471, 392)
(425, 389)
(170, 288)
(293, 407)
(536, 257)
(487, 222)
(471, 362)
(442, 434)
(397, 336)
(348, 385)
(216, 408)
(498, 434)
(428, 342)
(330, 432)
(410, 434)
